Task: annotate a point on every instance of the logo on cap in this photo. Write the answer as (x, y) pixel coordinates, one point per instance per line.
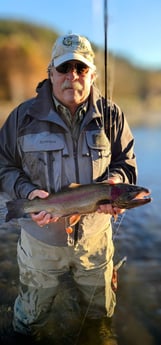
(74, 40)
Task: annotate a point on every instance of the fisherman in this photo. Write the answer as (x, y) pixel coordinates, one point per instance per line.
(60, 137)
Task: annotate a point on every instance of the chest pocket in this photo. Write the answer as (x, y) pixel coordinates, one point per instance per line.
(42, 158)
(99, 151)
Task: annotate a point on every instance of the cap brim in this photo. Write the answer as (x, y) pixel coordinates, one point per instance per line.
(72, 56)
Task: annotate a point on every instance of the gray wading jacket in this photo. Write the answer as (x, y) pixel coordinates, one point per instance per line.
(37, 151)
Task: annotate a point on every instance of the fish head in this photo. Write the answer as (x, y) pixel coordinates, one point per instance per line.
(128, 196)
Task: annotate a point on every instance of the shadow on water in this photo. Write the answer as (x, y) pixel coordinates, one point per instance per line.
(137, 235)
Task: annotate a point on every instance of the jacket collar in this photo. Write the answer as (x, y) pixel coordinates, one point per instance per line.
(43, 107)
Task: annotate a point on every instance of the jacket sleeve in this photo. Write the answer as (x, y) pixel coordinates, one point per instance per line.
(123, 160)
(13, 181)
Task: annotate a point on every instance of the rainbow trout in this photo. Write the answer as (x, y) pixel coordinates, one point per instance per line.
(80, 200)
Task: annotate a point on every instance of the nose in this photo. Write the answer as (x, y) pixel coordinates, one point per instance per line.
(72, 74)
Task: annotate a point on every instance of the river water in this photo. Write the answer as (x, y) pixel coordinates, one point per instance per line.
(138, 312)
(137, 235)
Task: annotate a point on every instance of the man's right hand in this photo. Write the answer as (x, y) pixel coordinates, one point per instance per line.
(42, 218)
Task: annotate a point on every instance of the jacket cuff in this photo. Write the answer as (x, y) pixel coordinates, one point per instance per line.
(22, 191)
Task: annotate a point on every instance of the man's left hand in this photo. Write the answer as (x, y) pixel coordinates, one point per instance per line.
(108, 208)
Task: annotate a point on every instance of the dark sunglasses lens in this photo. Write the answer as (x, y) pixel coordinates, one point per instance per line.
(81, 68)
(66, 67)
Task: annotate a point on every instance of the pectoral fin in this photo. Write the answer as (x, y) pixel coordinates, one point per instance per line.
(74, 219)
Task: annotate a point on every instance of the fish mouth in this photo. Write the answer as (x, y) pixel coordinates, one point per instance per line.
(138, 198)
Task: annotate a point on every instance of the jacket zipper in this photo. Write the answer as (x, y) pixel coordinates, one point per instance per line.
(75, 150)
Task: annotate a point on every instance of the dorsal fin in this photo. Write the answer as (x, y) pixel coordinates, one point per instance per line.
(70, 186)
(74, 185)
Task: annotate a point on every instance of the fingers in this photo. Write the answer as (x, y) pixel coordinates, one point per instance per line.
(114, 179)
(38, 193)
(43, 218)
(108, 209)
(118, 210)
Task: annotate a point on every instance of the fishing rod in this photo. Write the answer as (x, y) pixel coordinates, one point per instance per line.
(107, 125)
(107, 117)
(105, 45)
(106, 64)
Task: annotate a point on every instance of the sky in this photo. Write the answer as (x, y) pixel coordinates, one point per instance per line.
(133, 30)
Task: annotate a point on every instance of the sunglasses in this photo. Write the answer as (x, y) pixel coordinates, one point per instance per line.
(66, 67)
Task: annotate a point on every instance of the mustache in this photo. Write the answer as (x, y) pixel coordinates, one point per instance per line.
(68, 85)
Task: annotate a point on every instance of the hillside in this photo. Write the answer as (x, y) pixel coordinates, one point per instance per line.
(25, 53)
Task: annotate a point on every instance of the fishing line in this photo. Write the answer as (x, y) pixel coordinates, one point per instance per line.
(93, 290)
(118, 223)
(88, 308)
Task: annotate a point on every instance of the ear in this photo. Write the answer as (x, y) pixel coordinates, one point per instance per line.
(93, 77)
(51, 75)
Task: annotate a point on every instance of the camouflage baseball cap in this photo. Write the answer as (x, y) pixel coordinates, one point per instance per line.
(72, 47)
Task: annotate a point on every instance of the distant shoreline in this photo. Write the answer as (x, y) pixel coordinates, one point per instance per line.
(137, 114)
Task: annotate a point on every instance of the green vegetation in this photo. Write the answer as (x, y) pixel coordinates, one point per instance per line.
(25, 51)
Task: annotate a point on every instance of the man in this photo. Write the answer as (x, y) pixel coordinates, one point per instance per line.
(48, 142)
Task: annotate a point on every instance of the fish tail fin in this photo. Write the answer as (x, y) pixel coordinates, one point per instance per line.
(15, 209)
